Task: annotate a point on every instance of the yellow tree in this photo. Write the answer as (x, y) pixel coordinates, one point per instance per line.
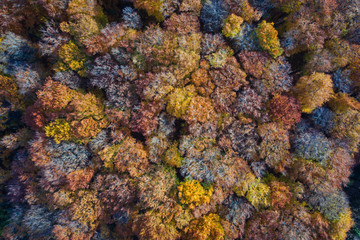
(313, 91)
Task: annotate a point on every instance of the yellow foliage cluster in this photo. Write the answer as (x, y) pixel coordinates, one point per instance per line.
(179, 100)
(259, 194)
(232, 25)
(193, 194)
(59, 130)
(313, 91)
(107, 155)
(268, 39)
(347, 119)
(72, 58)
(206, 228)
(340, 227)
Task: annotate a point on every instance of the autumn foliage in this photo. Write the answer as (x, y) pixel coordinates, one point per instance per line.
(174, 120)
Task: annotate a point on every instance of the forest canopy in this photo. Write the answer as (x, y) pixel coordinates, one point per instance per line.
(179, 120)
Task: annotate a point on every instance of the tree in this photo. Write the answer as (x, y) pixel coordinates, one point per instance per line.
(268, 39)
(314, 146)
(212, 42)
(254, 62)
(179, 101)
(87, 209)
(183, 23)
(313, 91)
(232, 25)
(172, 156)
(340, 166)
(346, 125)
(201, 110)
(303, 33)
(71, 58)
(85, 18)
(250, 103)
(27, 79)
(12, 230)
(18, 16)
(200, 156)
(65, 227)
(192, 6)
(202, 80)
(15, 51)
(223, 99)
(286, 224)
(244, 9)
(285, 109)
(340, 227)
(9, 91)
(275, 146)
(131, 18)
(230, 76)
(242, 138)
(191, 193)
(127, 156)
(111, 35)
(159, 86)
(155, 186)
(276, 78)
(145, 120)
(331, 204)
(157, 46)
(324, 118)
(151, 226)
(280, 194)
(258, 194)
(263, 225)
(158, 9)
(342, 81)
(246, 39)
(59, 130)
(51, 39)
(219, 58)
(104, 72)
(236, 211)
(114, 192)
(65, 113)
(232, 172)
(68, 78)
(212, 15)
(37, 222)
(207, 227)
